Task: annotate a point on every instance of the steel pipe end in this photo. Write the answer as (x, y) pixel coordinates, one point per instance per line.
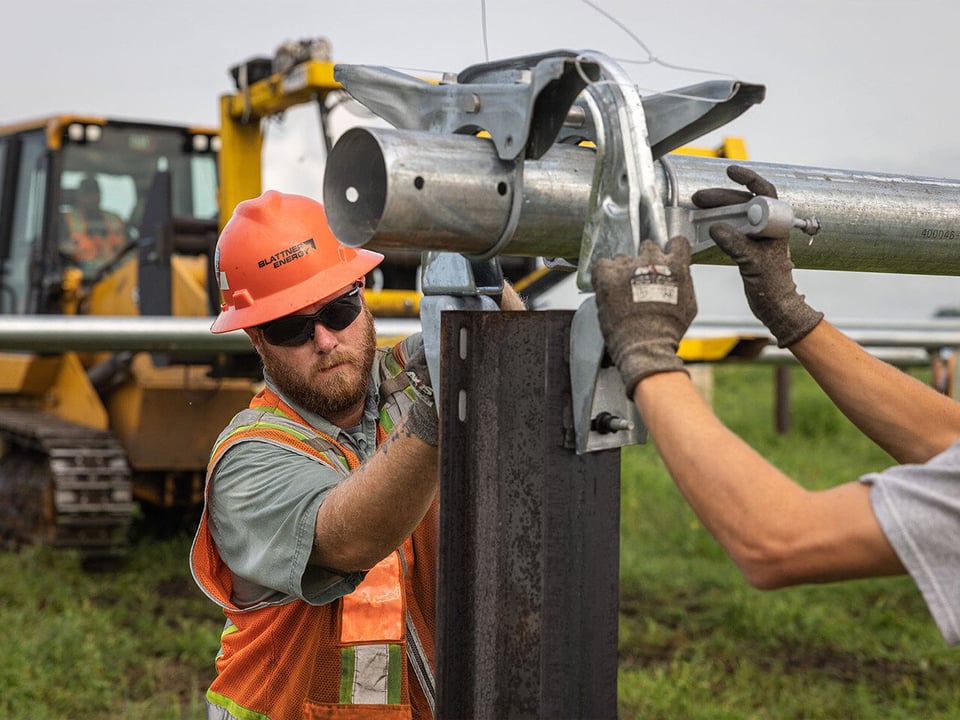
(355, 187)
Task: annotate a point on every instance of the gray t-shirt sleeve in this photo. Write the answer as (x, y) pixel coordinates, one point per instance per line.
(263, 506)
(918, 507)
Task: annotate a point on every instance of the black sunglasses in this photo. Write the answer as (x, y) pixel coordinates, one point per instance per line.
(294, 330)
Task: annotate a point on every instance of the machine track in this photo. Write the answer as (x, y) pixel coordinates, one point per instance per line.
(62, 484)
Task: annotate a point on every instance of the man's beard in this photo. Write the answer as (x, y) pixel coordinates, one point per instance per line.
(340, 391)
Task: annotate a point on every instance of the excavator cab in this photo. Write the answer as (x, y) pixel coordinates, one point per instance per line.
(50, 171)
(109, 218)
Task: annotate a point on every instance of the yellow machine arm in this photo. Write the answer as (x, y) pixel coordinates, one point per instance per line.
(241, 113)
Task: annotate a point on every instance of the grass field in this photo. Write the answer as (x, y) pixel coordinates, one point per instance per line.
(695, 641)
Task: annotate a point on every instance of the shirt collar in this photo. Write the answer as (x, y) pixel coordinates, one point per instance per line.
(368, 422)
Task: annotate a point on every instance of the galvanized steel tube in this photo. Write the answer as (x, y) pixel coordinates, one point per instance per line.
(870, 221)
(388, 189)
(57, 333)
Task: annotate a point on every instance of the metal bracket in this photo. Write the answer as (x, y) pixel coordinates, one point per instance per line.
(526, 104)
(446, 273)
(521, 102)
(603, 416)
(760, 217)
(625, 204)
(430, 308)
(676, 117)
(451, 281)
(625, 208)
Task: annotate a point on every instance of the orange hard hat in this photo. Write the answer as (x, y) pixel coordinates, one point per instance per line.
(277, 255)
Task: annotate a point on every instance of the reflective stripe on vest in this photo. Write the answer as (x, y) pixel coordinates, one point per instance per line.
(371, 674)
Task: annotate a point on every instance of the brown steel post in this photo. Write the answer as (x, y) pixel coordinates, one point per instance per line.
(529, 530)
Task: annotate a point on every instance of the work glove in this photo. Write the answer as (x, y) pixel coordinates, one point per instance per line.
(645, 304)
(422, 418)
(765, 265)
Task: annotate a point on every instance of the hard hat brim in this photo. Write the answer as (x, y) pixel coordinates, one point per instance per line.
(297, 297)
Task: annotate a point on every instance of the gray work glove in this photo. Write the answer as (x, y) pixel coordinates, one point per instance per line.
(765, 265)
(422, 419)
(645, 305)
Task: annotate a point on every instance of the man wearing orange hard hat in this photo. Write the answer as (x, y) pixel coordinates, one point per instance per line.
(319, 532)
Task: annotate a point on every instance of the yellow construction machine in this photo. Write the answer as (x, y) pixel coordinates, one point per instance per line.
(84, 434)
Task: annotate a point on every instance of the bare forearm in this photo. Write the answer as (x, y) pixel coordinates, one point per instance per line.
(510, 300)
(905, 417)
(732, 489)
(372, 512)
(777, 532)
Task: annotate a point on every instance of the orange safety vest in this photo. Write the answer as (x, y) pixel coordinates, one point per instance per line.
(348, 659)
(89, 250)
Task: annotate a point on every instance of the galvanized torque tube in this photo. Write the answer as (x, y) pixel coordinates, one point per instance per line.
(870, 221)
(390, 189)
(387, 188)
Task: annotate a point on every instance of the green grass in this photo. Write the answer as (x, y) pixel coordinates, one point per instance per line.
(696, 642)
(135, 643)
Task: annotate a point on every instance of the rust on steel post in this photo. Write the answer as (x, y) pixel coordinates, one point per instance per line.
(529, 531)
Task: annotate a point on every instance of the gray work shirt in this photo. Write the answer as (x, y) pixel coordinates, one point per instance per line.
(263, 508)
(918, 507)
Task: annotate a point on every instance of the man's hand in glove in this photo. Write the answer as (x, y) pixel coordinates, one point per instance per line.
(765, 265)
(645, 305)
(422, 418)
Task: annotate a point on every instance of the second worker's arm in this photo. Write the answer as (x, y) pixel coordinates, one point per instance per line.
(777, 532)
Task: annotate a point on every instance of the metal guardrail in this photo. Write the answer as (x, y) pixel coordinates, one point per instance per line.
(899, 343)
(59, 333)
(902, 343)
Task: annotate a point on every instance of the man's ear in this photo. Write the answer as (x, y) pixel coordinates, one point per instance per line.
(256, 337)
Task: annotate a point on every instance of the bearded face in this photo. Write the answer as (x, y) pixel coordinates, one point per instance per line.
(331, 384)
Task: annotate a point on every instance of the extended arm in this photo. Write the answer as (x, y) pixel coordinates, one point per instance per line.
(371, 513)
(908, 419)
(777, 532)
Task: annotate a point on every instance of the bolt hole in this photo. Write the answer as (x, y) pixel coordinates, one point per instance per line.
(352, 194)
(502, 188)
(418, 182)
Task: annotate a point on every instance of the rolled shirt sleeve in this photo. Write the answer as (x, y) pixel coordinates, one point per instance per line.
(263, 505)
(918, 507)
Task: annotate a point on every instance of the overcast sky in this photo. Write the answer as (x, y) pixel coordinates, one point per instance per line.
(852, 84)
(858, 84)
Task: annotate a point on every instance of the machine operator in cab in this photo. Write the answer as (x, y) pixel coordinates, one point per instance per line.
(92, 236)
